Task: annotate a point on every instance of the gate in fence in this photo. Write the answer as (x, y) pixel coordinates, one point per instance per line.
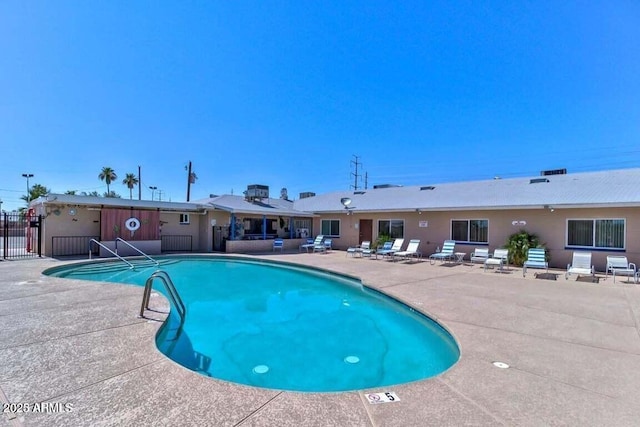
(20, 235)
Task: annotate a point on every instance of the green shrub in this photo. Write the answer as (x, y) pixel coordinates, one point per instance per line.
(519, 244)
(382, 238)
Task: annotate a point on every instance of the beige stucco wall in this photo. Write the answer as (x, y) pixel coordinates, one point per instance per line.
(57, 222)
(549, 226)
(170, 226)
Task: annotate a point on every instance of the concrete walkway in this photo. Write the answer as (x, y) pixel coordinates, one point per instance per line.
(573, 348)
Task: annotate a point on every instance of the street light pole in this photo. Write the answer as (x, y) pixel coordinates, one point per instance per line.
(153, 189)
(28, 175)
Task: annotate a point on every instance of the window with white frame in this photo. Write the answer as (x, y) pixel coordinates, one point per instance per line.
(391, 227)
(596, 233)
(330, 227)
(470, 230)
(184, 218)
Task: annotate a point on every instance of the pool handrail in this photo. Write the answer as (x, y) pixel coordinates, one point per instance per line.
(136, 249)
(108, 250)
(171, 291)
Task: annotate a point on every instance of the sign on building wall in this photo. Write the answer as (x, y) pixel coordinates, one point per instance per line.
(423, 224)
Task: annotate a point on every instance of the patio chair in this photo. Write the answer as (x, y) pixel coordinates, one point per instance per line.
(395, 247)
(480, 255)
(581, 264)
(446, 254)
(312, 243)
(359, 250)
(536, 258)
(618, 265)
(385, 247)
(411, 251)
(500, 258)
(326, 244)
(278, 244)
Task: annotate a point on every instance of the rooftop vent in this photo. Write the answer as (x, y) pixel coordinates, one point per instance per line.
(554, 172)
(359, 192)
(211, 196)
(427, 187)
(306, 194)
(256, 192)
(538, 180)
(377, 186)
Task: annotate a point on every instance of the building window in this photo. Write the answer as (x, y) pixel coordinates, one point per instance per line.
(184, 218)
(330, 227)
(391, 227)
(596, 233)
(470, 230)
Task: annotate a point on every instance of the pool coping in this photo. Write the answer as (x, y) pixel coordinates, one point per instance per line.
(573, 347)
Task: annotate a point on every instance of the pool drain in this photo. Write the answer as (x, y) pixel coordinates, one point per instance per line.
(500, 365)
(352, 359)
(261, 369)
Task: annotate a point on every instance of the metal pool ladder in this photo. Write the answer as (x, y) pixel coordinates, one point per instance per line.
(108, 250)
(172, 293)
(118, 239)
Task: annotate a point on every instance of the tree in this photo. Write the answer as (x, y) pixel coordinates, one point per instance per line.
(37, 190)
(112, 194)
(130, 180)
(107, 175)
(70, 192)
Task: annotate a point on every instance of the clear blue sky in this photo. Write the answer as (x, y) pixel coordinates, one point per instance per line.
(284, 93)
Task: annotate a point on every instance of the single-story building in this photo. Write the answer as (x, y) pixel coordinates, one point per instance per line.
(594, 211)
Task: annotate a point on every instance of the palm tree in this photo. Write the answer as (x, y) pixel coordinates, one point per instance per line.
(130, 180)
(107, 175)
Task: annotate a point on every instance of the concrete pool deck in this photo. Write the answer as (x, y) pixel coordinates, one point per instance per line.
(573, 348)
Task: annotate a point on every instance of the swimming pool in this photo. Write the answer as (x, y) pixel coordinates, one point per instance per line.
(282, 326)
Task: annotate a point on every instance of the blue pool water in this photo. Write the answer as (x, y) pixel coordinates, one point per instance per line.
(285, 327)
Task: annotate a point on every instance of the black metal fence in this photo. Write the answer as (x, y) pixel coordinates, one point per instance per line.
(20, 236)
(176, 243)
(73, 245)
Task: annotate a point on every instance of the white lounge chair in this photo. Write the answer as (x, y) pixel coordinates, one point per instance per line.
(581, 264)
(618, 265)
(411, 251)
(355, 251)
(480, 255)
(536, 258)
(323, 247)
(500, 258)
(278, 244)
(446, 254)
(310, 245)
(395, 247)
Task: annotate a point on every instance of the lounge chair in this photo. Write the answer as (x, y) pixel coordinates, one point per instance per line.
(446, 254)
(312, 243)
(359, 250)
(500, 258)
(278, 244)
(395, 247)
(480, 255)
(323, 247)
(411, 251)
(618, 265)
(581, 264)
(385, 247)
(536, 258)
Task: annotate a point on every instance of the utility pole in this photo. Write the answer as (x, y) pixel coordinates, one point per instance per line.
(355, 175)
(191, 179)
(139, 184)
(366, 180)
